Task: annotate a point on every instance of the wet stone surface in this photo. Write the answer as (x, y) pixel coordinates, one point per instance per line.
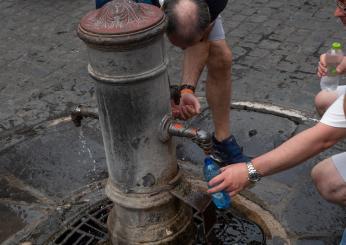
(251, 130)
(14, 193)
(13, 223)
(62, 160)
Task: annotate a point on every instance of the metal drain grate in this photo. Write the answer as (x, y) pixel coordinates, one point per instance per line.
(90, 228)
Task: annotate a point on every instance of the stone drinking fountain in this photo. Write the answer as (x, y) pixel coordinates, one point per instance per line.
(152, 199)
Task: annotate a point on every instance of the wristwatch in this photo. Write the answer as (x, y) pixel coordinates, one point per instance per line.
(253, 176)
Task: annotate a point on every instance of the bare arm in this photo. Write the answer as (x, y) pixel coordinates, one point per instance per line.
(195, 58)
(304, 145)
(298, 149)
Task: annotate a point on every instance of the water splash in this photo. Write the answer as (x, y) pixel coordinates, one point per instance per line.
(86, 151)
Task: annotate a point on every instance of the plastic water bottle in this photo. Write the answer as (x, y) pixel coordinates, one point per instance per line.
(211, 169)
(334, 57)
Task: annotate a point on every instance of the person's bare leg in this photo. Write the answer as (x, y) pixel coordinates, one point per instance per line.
(329, 182)
(218, 87)
(323, 100)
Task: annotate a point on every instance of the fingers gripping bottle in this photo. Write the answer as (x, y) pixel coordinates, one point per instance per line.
(221, 199)
(334, 57)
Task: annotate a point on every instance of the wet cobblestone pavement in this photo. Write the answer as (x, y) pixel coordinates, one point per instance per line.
(276, 45)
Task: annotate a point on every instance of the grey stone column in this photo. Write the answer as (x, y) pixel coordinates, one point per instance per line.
(128, 60)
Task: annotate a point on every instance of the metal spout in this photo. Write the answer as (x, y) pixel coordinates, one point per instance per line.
(169, 128)
(80, 112)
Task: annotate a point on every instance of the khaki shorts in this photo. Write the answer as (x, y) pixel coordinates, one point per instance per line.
(339, 161)
(217, 32)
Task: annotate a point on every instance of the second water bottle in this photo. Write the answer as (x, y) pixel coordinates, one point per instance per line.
(211, 169)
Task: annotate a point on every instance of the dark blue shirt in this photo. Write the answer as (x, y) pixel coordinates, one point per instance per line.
(216, 7)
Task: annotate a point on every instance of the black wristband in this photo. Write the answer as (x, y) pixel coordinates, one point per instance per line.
(188, 86)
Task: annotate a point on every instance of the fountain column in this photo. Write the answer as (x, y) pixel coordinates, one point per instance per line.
(128, 61)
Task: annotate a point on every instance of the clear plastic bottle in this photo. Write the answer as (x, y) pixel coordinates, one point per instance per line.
(221, 199)
(334, 57)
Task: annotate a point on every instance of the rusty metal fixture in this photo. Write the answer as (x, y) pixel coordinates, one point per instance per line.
(128, 61)
(169, 127)
(80, 112)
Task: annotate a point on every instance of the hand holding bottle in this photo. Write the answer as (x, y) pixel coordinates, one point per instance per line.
(322, 66)
(327, 69)
(221, 198)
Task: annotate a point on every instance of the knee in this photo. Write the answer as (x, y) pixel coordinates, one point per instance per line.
(329, 190)
(221, 60)
(323, 100)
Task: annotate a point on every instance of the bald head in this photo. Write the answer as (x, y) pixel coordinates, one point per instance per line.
(187, 19)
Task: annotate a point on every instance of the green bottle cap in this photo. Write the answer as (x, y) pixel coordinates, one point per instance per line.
(333, 72)
(336, 45)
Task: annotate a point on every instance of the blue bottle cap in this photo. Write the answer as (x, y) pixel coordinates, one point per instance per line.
(208, 161)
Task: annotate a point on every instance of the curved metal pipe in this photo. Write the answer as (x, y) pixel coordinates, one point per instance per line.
(80, 112)
(200, 137)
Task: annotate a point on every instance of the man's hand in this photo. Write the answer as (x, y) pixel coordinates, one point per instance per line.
(322, 66)
(233, 179)
(189, 106)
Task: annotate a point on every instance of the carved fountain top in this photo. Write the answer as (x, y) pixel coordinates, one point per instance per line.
(121, 17)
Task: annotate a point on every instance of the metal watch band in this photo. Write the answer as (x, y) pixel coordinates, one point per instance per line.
(253, 175)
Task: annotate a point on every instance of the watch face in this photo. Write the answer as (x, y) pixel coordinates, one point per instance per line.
(255, 177)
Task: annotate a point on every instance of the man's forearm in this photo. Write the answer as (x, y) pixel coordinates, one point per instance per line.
(195, 58)
(298, 149)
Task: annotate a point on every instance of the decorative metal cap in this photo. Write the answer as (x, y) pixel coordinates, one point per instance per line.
(119, 20)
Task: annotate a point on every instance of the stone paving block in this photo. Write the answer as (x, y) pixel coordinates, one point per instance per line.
(272, 23)
(285, 30)
(247, 44)
(264, 10)
(269, 62)
(259, 52)
(249, 60)
(238, 52)
(232, 25)
(269, 44)
(248, 11)
(264, 30)
(238, 32)
(275, 4)
(286, 66)
(253, 38)
(238, 17)
(298, 36)
(258, 18)
(249, 26)
(308, 68)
